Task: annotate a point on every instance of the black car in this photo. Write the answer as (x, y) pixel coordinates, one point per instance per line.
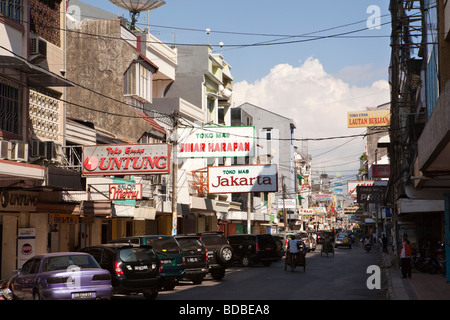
(254, 248)
(220, 253)
(168, 251)
(195, 257)
(134, 268)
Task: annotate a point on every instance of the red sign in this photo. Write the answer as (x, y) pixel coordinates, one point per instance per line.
(140, 159)
(381, 170)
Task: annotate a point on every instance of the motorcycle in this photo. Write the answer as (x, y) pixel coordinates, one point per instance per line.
(367, 246)
(5, 293)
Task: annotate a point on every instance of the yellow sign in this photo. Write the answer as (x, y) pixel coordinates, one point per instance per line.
(381, 118)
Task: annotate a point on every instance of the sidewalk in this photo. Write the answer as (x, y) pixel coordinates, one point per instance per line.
(421, 286)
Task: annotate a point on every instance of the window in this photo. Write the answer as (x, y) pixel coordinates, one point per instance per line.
(138, 82)
(10, 109)
(12, 9)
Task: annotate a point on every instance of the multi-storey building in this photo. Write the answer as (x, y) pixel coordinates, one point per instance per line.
(32, 129)
(419, 184)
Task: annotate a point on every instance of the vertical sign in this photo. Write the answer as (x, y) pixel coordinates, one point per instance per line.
(26, 245)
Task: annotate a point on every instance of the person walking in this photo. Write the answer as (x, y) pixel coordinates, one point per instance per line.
(384, 241)
(405, 256)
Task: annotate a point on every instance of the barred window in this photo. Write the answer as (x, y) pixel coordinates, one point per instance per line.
(12, 9)
(10, 110)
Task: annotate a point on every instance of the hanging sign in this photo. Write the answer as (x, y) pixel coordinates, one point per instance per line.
(140, 159)
(125, 191)
(245, 178)
(212, 142)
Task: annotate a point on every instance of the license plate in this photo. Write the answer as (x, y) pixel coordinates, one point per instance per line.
(192, 259)
(140, 268)
(82, 295)
(166, 261)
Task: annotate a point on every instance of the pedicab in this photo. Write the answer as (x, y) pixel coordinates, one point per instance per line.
(295, 258)
(327, 247)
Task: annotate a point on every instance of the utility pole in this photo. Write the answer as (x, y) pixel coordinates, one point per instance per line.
(284, 206)
(174, 173)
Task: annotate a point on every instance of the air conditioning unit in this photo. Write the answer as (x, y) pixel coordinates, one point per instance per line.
(19, 151)
(38, 49)
(38, 148)
(5, 149)
(53, 151)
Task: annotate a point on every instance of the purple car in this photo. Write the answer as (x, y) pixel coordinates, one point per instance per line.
(61, 276)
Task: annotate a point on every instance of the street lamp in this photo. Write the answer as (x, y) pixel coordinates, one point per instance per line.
(137, 6)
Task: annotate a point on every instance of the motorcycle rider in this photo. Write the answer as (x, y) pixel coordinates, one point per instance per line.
(367, 243)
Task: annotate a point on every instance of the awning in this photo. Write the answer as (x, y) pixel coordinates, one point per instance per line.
(144, 213)
(36, 76)
(406, 205)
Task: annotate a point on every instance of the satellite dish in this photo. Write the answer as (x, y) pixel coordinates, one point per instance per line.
(137, 6)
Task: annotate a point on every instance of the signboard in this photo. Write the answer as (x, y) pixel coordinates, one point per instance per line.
(18, 200)
(370, 194)
(26, 245)
(245, 178)
(306, 212)
(288, 204)
(141, 159)
(381, 170)
(380, 118)
(323, 197)
(125, 191)
(215, 142)
(352, 184)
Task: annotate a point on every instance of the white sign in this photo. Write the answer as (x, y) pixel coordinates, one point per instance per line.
(212, 142)
(245, 178)
(26, 244)
(306, 212)
(288, 204)
(352, 184)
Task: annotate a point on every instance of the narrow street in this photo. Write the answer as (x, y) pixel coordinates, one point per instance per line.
(342, 277)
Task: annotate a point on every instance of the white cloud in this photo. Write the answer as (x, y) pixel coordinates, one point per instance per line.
(317, 102)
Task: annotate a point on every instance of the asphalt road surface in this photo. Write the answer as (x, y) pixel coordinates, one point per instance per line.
(344, 276)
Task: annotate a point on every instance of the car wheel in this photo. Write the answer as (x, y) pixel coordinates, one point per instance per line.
(151, 295)
(218, 274)
(197, 279)
(169, 285)
(245, 261)
(36, 295)
(225, 253)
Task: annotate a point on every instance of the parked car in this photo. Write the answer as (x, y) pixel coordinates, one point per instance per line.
(253, 248)
(220, 253)
(342, 240)
(279, 241)
(309, 241)
(168, 251)
(195, 257)
(61, 276)
(134, 268)
(286, 236)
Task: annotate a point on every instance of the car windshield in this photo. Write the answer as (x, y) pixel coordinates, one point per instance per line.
(63, 262)
(214, 239)
(342, 235)
(164, 244)
(190, 243)
(136, 254)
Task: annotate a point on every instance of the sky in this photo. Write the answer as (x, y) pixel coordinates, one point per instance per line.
(311, 61)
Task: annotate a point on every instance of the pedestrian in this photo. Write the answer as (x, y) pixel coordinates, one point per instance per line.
(384, 241)
(405, 256)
